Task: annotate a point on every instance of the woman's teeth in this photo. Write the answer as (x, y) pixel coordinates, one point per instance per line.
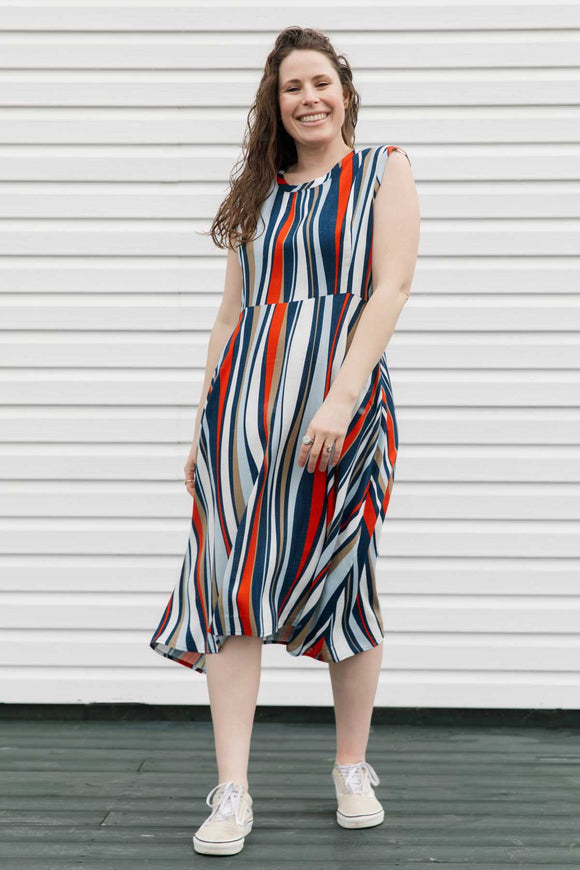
(313, 119)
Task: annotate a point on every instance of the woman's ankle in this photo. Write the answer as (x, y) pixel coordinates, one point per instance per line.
(236, 781)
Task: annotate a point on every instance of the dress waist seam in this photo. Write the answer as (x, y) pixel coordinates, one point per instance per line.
(305, 299)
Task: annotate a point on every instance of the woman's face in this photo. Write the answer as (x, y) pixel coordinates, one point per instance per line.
(308, 84)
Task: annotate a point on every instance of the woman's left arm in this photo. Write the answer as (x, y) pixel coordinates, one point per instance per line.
(394, 254)
(396, 223)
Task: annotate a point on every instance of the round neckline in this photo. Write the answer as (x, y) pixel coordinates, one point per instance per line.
(315, 181)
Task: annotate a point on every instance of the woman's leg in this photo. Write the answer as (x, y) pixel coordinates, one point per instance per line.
(354, 685)
(233, 680)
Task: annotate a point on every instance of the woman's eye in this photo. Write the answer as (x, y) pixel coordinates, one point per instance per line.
(320, 83)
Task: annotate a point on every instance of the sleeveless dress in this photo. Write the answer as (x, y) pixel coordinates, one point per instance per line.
(276, 551)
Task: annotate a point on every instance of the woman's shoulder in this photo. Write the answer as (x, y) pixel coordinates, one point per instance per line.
(382, 155)
(385, 151)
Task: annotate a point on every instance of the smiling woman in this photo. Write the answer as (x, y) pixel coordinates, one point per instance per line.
(294, 465)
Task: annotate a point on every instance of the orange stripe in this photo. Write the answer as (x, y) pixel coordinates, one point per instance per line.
(391, 432)
(369, 513)
(344, 188)
(243, 597)
(196, 522)
(352, 435)
(272, 344)
(315, 651)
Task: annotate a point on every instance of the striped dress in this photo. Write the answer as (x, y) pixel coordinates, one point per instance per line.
(276, 551)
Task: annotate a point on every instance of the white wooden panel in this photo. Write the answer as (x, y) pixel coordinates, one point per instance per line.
(146, 425)
(204, 276)
(153, 499)
(191, 163)
(404, 650)
(454, 463)
(94, 125)
(119, 127)
(501, 200)
(242, 17)
(436, 50)
(302, 685)
(186, 350)
(184, 238)
(499, 311)
(405, 575)
(161, 536)
(507, 389)
(207, 89)
(434, 613)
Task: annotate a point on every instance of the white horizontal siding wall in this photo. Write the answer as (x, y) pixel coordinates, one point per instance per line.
(119, 127)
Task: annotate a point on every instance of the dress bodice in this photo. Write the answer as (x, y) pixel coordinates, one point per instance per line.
(315, 238)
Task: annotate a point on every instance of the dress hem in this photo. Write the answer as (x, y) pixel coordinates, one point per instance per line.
(167, 651)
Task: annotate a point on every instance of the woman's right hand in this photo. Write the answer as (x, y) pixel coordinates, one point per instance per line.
(189, 468)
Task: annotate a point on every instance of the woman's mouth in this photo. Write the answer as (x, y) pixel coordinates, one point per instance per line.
(313, 118)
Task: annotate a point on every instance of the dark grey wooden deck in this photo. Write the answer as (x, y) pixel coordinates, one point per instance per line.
(115, 795)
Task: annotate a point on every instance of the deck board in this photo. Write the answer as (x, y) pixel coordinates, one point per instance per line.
(125, 795)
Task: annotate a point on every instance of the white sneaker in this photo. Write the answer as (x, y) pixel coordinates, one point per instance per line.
(357, 805)
(225, 829)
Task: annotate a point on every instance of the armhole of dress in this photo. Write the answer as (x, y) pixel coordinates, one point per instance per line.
(384, 151)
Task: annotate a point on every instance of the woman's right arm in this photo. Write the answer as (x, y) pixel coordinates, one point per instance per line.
(227, 316)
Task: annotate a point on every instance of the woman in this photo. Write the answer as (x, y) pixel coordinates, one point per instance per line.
(295, 442)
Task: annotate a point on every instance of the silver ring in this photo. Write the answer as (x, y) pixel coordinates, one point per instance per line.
(307, 440)
(329, 449)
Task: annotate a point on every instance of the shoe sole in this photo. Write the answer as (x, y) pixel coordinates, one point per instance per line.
(216, 847)
(368, 821)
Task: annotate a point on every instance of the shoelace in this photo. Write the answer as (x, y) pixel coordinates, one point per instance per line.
(229, 802)
(354, 776)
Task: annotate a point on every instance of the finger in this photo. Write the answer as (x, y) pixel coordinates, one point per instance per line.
(325, 455)
(305, 449)
(338, 445)
(190, 471)
(315, 450)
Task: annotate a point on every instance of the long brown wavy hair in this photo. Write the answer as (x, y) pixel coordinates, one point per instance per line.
(267, 147)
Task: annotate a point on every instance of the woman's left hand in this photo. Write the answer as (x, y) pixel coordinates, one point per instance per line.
(328, 427)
